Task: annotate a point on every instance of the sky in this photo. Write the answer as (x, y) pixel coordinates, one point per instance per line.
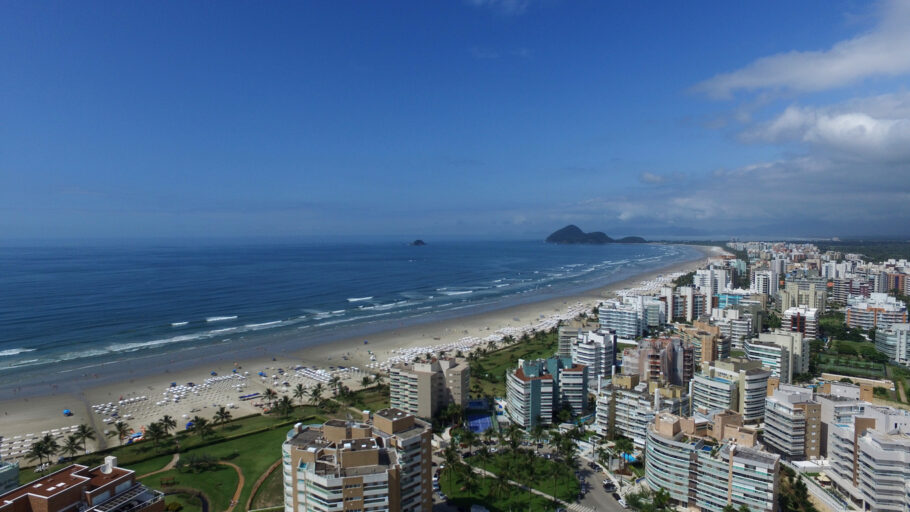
(463, 118)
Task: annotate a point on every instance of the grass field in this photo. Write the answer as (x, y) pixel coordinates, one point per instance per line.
(271, 493)
(189, 502)
(490, 371)
(536, 472)
(507, 499)
(218, 484)
(371, 399)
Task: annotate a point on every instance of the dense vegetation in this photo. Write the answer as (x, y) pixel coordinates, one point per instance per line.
(874, 250)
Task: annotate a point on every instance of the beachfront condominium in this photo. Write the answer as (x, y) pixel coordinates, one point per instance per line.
(384, 464)
(735, 383)
(623, 319)
(869, 459)
(894, 341)
(536, 390)
(702, 473)
(569, 331)
(595, 350)
(785, 353)
(878, 311)
(626, 406)
(712, 281)
(793, 423)
(104, 488)
(424, 387)
(801, 319)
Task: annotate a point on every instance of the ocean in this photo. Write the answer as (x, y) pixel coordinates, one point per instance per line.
(74, 308)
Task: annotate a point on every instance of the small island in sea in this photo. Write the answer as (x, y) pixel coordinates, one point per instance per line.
(418, 243)
(572, 234)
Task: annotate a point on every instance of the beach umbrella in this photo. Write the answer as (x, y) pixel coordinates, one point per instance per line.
(67, 412)
(213, 374)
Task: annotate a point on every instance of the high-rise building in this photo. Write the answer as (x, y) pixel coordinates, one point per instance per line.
(385, 464)
(793, 423)
(784, 353)
(879, 310)
(707, 341)
(423, 388)
(802, 320)
(735, 383)
(625, 406)
(765, 281)
(596, 351)
(104, 488)
(869, 459)
(623, 319)
(803, 292)
(661, 360)
(894, 340)
(9, 475)
(536, 390)
(701, 474)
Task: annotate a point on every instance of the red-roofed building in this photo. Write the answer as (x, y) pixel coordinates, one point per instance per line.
(105, 488)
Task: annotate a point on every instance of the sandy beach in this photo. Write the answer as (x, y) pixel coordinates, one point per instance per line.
(140, 401)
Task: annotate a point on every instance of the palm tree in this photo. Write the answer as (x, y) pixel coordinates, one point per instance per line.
(83, 434)
(270, 396)
(468, 438)
(121, 430)
(378, 378)
(300, 392)
(452, 460)
(366, 381)
(514, 435)
(156, 432)
(623, 445)
(222, 416)
(316, 393)
(661, 499)
(483, 454)
(38, 451)
(201, 426)
(167, 423)
(501, 485)
(537, 433)
(285, 405)
(71, 446)
(333, 383)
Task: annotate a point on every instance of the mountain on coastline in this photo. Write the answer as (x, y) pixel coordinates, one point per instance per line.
(572, 234)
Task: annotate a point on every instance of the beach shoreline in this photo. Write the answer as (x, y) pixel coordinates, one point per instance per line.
(220, 383)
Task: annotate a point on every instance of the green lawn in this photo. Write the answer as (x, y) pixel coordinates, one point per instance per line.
(489, 371)
(189, 502)
(271, 493)
(218, 484)
(737, 353)
(505, 500)
(139, 454)
(537, 472)
(254, 453)
(373, 398)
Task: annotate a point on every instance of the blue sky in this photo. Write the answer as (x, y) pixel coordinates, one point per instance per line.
(483, 118)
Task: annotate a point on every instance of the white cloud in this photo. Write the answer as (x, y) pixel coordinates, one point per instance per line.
(875, 129)
(506, 7)
(654, 179)
(883, 51)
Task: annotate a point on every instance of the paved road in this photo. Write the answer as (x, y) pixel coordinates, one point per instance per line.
(597, 498)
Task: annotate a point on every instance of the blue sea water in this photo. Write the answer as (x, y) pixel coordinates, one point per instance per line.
(71, 307)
